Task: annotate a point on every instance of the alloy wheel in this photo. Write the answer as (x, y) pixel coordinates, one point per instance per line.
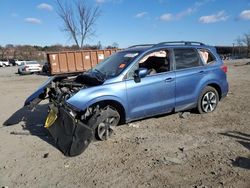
(209, 102)
(105, 128)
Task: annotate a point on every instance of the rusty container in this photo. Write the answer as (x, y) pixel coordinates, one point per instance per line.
(76, 61)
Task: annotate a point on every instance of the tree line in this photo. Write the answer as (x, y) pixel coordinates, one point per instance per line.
(34, 52)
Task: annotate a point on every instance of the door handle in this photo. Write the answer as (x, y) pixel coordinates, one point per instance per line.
(201, 72)
(170, 79)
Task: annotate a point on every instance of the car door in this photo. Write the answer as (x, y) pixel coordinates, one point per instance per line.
(189, 72)
(154, 94)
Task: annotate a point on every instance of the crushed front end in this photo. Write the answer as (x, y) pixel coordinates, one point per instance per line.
(71, 135)
(68, 125)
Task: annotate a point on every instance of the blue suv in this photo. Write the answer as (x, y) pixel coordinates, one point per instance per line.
(135, 83)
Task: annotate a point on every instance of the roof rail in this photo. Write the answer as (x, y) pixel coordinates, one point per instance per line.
(179, 42)
(141, 45)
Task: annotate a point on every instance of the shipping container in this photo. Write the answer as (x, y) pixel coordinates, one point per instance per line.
(76, 61)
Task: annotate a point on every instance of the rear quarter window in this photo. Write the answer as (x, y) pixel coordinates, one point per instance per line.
(186, 58)
(206, 56)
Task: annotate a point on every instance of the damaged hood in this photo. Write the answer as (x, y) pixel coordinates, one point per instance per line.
(86, 79)
(91, 78)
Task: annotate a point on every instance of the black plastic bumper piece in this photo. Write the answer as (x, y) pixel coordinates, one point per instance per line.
(71, 137)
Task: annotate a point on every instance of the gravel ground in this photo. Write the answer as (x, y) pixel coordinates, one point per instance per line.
(188, 150)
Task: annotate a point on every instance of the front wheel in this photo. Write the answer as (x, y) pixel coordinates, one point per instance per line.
(208, 100)
(104, 122)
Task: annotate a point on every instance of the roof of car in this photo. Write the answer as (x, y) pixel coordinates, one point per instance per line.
(144, 47)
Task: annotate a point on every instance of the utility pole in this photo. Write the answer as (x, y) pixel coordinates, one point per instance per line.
(233, 51)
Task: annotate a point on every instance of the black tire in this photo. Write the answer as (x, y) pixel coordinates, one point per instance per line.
(103, 121)
(208, 100)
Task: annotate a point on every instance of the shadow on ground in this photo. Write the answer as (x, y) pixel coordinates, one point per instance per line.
(244, 140)
(32, 121)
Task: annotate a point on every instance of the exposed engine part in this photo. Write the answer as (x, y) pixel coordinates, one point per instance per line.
(62, 90)
(70, 127)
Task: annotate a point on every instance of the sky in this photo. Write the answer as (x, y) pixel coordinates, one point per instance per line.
(129, 22)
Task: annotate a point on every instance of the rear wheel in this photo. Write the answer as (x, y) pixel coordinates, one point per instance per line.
(208, 100)
(104, 122)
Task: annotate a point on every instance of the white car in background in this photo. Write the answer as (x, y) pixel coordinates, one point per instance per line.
(4, 63)
(18, 62)
(29, 67)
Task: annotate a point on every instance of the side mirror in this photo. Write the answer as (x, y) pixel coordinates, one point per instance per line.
(140, 73)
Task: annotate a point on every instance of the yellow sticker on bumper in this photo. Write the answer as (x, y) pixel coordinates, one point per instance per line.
(51, 118)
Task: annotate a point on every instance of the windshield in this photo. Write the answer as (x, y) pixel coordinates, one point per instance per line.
(115, 64)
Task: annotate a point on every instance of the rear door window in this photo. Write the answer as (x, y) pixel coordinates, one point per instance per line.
(186, 58)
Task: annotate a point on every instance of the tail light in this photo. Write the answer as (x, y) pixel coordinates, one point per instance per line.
(224, 68)
(26, 67)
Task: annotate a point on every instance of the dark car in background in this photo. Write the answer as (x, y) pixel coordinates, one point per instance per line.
(46, 68)
(12, 62)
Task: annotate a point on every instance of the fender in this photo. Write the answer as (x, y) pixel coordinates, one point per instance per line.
(105, 98)
(209, 82)
(36, 97)
(88, 96)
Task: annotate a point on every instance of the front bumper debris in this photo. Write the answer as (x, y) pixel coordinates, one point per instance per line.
(71, 136)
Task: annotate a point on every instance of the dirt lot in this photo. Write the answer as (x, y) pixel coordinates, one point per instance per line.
(195, 151)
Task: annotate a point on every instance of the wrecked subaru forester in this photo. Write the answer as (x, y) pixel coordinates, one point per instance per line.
(138, 82)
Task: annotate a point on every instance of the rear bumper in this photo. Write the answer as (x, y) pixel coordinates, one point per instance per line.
(224, 89)
(223, 96)
(29, 71)
(35, 70)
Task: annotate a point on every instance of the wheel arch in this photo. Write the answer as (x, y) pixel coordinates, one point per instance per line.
(217, 87)
(115, 104)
